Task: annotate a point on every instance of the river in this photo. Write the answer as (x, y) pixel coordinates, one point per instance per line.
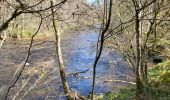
(79, 49)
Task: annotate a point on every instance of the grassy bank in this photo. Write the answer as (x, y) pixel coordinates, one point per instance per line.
(158, 88)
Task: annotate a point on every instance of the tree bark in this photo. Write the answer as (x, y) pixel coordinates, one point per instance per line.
(59, 57)
(138, 51)
(99, 50)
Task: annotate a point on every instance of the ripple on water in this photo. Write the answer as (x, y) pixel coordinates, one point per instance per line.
(82, 58)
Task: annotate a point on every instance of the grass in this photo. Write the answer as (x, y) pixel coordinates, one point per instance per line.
(160, 74)
(158, 88)
(18, 33)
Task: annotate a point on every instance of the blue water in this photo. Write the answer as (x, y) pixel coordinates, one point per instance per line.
(78, 51)
(81, 56)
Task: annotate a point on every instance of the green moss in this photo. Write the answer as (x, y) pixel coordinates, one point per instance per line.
(108, 96)
(166, 78)
(157, 89)
(164, 42)
(160, 73)
(123, 94)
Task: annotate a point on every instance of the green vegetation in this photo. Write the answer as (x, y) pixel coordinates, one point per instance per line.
(160, 74)
(137, 29)
(124, 94)
(19, 33)
(157, 89)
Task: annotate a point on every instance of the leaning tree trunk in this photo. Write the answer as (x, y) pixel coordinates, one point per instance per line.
(59, 56)
(69, 95)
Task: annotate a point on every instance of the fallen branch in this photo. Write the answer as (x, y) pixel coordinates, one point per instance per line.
(108, 80)
(42, 43)
(76, 73)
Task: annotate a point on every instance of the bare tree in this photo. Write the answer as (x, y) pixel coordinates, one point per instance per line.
(100, 45)
(69, 94)
(59, 56)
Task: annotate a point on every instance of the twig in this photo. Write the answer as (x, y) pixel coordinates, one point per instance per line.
(18, 73)
(42, 43)
(23, 86)
(3, 40)
(14, 15)
(42, 75)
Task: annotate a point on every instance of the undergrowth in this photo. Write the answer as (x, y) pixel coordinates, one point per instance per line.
(157, 89)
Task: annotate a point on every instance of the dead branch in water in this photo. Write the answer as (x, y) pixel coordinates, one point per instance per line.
(76, 73)
(110, 80)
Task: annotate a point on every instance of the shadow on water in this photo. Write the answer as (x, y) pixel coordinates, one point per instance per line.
(78, 50)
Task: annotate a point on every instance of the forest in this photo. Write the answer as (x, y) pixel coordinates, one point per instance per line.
(84, 49)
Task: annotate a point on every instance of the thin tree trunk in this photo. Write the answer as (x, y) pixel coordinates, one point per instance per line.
(138, 53)
(155, 24)
(69, 94)
(99, 51)
(59, 56)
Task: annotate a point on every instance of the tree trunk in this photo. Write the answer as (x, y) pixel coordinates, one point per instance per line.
(138, 51)
(100, 48)
(59, 56)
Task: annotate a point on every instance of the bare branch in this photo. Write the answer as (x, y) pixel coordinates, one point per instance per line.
(18, 73)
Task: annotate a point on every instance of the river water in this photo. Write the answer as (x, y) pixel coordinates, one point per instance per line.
(79, 49)
(111, 66)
